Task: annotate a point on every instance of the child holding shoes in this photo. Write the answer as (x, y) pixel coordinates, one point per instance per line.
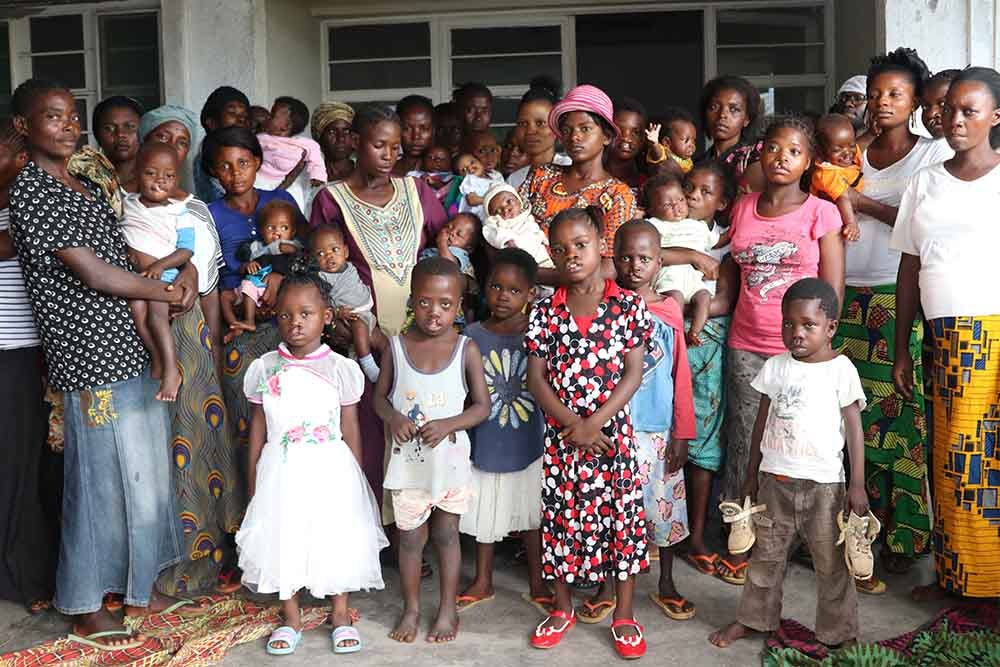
(811, 401)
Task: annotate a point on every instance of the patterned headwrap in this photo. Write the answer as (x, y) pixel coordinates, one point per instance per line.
(168, 112)
(328, 112)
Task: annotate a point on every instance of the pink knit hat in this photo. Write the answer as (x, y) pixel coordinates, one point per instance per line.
(584, 98)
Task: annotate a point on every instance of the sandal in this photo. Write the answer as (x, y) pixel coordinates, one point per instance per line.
(704, 563)
(674, 608)
(741, 532)
(630, 648)
(91, 640)
(196, 610)
(113, 602)
(345, 633)
(546, 638)
(463, 602)
(542, 603)
(36, 607)
(229, 581)
(596, 611)
(286, 634)
(732, 574)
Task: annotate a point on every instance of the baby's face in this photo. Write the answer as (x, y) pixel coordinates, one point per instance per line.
(837, 145)
(506, 204)
(437, 159)
(329, 250)
(469, 164)
(461, 232)
(157, 177)
(682, 138)
(668, 203)
(280, 122)
(277, 226)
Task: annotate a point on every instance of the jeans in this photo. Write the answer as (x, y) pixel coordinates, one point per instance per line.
(120, 528)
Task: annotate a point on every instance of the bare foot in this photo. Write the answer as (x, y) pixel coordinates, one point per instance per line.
(929, 593)
(169, 385)
(723, 637)
(102, 621)
(407, 628)
(445, 627)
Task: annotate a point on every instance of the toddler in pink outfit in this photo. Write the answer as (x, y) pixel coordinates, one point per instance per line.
(284, 149)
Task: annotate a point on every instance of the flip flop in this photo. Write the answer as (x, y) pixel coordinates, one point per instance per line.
(542, 603)
(345, 633)
(229, 581)
(735, 579)
(196, 611)
(113, 602)
(665, 605)
(89, 640)
(604, 608)
(286, 634)
(704, 563)
(472, 601)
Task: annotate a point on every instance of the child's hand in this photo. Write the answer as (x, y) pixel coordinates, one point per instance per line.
(851, 232)
(587, 435)
(510, 244)
(250, 267)
(402, 428)
(345, 313)
(693, 338)
(677, 455)
(154, 271)
(857, 499)
(653, 133)
(434, 432)
(286, 249)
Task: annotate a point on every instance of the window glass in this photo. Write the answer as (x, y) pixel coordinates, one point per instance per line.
(479, 41)
(5, 82)
(130, 57)
(390, 40)
(57, 33)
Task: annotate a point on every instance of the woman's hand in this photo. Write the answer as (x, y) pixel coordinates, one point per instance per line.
(902, 376)
(187, 285)
(402, 428)
(707, 264)
(270, 296)
(154, 271)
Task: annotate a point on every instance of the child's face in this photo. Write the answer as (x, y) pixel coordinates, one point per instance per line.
(668, 203)
(932, 102)
(469, 164)
(487, 150)
(236, 168)
(330, 251)
(508, 292)
(280, 122)
(418, 131)
(637, 257)
(379, 148)
(576, 249)
(435, 301)
(512, 157)
(682, 138)
(11, 164)
(703, 190)
(630, 125)
(838, 144)
(279, 225)
(157, 176)
(506, 204)
(786, 156)
(302, 313)
(437, 159)
(461, 232)
(805, 329)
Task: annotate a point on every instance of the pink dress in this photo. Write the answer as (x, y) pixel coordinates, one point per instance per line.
(281, 154)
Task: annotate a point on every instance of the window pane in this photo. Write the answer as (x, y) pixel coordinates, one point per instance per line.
(68, 70)
(505, 109)
(476, 41)
(81, 108)
(795, 99)
(4, 69)
(386, 74)
(130, 57)
(771, 26)
(57, 33)
(763, 60)
(505, 70)
(392, 40)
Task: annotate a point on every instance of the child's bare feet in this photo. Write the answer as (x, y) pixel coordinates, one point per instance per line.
(445, 627)
(169, 385)
(407, 627)
(235, 329)
(723, 637)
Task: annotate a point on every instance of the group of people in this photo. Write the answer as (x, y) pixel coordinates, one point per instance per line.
(382, 326)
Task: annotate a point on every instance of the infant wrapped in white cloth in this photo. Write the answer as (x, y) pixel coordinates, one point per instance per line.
(509, 223)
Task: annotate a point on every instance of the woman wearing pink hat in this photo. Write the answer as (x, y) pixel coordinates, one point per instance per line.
(584, 120)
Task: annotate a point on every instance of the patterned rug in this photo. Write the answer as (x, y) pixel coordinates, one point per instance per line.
(962, 636)
(173, 640)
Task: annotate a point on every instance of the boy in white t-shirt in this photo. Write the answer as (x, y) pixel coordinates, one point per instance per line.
(811, 401)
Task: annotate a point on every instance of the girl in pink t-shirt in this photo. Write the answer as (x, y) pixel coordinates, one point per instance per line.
(779, 236)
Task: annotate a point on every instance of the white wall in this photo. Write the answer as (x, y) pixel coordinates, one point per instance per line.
(946, 33)
(293, 53)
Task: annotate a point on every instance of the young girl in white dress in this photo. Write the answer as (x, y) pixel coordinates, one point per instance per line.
(313, 521)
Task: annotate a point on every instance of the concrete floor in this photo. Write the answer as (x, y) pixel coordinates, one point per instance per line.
(497, 632)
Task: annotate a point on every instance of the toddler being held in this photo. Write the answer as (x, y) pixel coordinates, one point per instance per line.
(838, 169)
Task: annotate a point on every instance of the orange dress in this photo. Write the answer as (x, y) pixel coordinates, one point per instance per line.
(547, 196)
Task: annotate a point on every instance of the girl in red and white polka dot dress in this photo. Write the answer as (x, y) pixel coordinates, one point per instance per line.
(586, 344)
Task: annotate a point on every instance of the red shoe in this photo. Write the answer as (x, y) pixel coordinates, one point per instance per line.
(551, 636)
(630, 648)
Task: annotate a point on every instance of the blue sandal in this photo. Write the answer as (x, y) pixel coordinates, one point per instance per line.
(345, 633)
(286, 634)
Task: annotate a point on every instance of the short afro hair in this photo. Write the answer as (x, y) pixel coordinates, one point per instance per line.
(228, 137)
(748, 91)
(810, 289)
(25, 94)
(518, 259)
(434, 265)
(592, 215)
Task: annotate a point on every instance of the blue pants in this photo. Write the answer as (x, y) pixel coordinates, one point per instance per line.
(120, 528)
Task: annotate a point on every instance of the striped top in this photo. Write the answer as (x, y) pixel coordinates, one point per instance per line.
(17, 324)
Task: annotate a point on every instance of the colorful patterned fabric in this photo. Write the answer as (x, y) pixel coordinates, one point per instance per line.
(210, 493)
(895, 429)
(707, 386)
(965, 378)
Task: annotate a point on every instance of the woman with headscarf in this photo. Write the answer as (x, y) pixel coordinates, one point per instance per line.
(331, 128)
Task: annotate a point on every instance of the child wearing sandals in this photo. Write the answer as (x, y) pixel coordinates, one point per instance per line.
(811, 401)
(507, 447)
(313, 522)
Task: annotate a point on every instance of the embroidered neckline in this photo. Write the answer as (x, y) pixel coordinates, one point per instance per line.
(320, 352)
